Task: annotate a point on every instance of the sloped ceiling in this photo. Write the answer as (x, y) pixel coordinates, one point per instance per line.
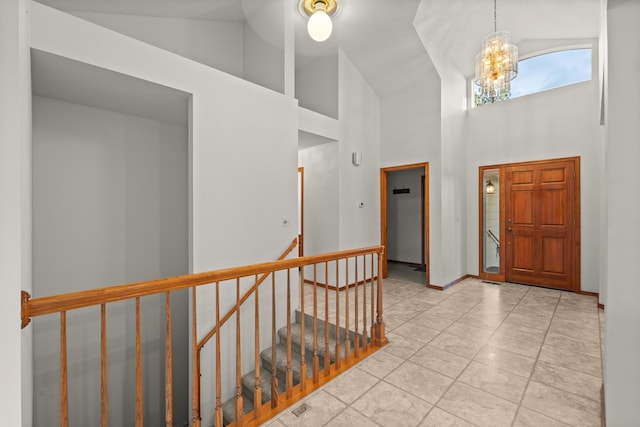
(379, 36)
(456, 27)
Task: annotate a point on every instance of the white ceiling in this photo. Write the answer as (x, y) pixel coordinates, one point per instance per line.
(455, 28)
(219, 10)
(379, 36)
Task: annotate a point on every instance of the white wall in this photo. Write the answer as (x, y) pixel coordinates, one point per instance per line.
(448, 201)
(110, 197)
(359, 108)
(317, 84)
(110, 207)
(410, 126)
(232, 47)
(321, 192)
(453, 196)
(15, 215)
(243, 152)
(217, 44)
(404, 216)
(604, 208)
(622, 316)
(263, 64)
(410, 129)
(321, 195)
(562, 122)
(358, 129)
(313, 123)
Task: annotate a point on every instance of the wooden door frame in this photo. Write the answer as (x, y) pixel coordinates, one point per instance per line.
(576, 232)
(383, 212)
(301, 219)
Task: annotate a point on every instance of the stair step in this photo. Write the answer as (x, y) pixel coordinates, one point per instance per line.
(229, 409)
(308, 324)
(296, 340)
(249, 382)
(281, 364)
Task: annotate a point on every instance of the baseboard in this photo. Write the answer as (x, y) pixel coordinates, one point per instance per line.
(450, 284)
(410, 264)
(591, 294)
(341, 288)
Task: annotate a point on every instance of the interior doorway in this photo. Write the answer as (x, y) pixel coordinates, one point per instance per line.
(404, 220)
(538, 226)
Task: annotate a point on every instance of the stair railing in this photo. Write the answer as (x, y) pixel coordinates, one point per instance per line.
(246, 296)
(225, 318)
(366, 337)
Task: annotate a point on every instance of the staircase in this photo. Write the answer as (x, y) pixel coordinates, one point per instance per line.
(328, 349)
(266, 358)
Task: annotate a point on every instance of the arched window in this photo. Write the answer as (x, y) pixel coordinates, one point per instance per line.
(549, 71)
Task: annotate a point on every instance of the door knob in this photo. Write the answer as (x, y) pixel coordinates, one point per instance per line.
(508, 228)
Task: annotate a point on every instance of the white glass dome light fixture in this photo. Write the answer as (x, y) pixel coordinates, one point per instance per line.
(319, 12)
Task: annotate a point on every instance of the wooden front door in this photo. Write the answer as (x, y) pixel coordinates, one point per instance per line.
(540, 213)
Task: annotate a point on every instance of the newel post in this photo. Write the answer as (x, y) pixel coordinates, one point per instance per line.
(380, 337)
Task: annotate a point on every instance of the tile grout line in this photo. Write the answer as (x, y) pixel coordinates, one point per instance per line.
(455, 380)
(550, 385)
(423, 367)
(526, 387)
(466, 366)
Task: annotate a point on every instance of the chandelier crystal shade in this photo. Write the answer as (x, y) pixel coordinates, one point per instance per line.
(496, 66)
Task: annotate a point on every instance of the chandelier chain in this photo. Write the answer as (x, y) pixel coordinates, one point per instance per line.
(495, 16)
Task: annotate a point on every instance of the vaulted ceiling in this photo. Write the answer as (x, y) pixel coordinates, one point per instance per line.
(381, 36)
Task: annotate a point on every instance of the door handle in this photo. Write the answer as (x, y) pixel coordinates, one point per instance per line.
(508, 228)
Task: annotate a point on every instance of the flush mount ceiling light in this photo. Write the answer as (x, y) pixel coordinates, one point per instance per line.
(496, 66)
(319, 13)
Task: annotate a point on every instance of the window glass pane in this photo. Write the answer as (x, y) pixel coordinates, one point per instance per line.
(551, 70)
(491, 195)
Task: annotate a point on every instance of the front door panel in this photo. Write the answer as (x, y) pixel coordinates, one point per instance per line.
(539, 207)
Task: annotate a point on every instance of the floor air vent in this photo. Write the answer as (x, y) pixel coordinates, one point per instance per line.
(300, 410)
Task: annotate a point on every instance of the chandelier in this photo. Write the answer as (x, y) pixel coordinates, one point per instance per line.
(496, 66)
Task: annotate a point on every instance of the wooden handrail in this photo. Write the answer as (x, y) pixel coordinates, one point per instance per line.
(349, 345)
(33, 307)
(258, 282)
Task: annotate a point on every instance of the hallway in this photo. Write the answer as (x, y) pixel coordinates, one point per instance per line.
(476, 354)
(406, 273)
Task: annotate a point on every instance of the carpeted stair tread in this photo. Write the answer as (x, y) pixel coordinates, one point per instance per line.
(296, 334)
(249, 382)
(229, 409)
(281, 364)
(308, 324)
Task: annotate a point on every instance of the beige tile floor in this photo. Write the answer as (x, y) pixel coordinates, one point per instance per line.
(476, 354)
